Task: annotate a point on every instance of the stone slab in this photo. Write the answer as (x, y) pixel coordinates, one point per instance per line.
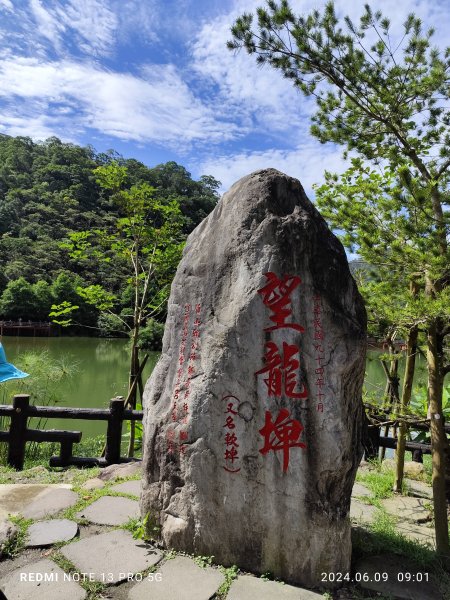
(120, 470)
(93, 484)
(395, 567)
(110, 510)
(360, 512)
(46, 533)
(50, 502)
(111, 556)
(31, 498)
(133, 487)
(246, 587)
(181, 579)
(360, 490)
(24, 584)
(408, 507)
(417, 533)
(419, 489)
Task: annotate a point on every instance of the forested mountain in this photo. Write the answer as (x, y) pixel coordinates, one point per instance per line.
(48, 190)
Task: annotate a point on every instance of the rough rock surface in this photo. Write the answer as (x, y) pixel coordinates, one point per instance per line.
(120, 470)
(228, 469)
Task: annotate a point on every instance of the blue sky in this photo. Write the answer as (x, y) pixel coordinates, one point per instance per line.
(153, 80)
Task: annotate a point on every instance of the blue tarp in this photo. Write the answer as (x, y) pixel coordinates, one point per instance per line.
(7, 370)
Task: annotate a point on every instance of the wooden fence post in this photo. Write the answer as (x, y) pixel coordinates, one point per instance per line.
(17, 431)
(114, 432)
(372, 443)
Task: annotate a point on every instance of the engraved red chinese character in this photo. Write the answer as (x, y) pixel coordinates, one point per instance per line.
(230, 409)
(170, 437)
(231, 454)
(231, 440)
(283, 434)
(276, 295)
(230, 423)
(282, 371)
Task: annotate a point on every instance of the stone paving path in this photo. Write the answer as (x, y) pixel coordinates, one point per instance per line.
(129, 569)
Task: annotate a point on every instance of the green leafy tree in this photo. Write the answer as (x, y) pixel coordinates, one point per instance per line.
(18, 300)
(43, 300)
(147, 240)
(385, 101)
(48, 189)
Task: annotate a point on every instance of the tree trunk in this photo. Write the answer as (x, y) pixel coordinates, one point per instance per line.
(411, 349)
(134, 370)
(392, 387)
(438, 440)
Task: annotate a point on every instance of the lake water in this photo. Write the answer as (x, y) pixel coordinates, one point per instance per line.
(102, 373)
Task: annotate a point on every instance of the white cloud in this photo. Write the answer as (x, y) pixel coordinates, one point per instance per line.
(48, 25)
(39, 127)
(258, 97)
(306, 162)
(89, 25)
(158, 107)
(137, 20)
(6, 4)
(94, 23)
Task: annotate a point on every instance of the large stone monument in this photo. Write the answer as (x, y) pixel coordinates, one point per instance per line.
(253, 414)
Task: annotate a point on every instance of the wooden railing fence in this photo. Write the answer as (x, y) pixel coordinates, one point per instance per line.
(19, 434)
(374, 440)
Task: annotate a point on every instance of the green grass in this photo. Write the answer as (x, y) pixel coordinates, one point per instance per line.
(94, 589)
(146, 528)
(428, 468)
(203, 561)
(87, 497)
(40, 456)
(16, 544)
(379, 481)
(90, 447)
(230, 575)
(71, 475)
(383, 538)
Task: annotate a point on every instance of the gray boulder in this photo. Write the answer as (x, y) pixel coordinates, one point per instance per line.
(253, 414)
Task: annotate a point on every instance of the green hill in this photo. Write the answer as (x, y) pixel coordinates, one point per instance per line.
(47, 190)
